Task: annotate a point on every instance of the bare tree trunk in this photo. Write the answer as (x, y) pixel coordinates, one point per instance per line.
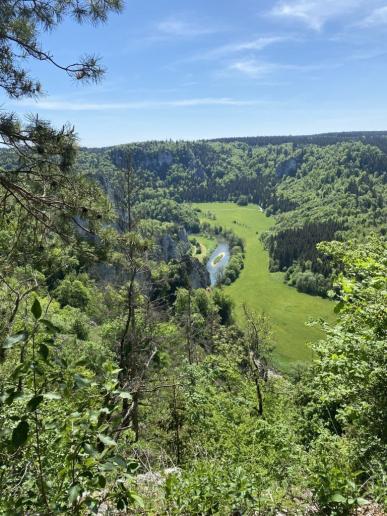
(255, 372)
(189, 329)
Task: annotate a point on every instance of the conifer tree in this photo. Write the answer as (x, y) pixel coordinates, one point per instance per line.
(39, 177)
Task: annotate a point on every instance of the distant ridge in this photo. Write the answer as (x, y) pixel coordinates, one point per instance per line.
(377, 138)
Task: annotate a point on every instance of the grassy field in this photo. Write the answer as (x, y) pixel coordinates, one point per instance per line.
(288, 309)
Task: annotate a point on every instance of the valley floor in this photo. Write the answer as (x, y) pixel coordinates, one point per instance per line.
(261, 290)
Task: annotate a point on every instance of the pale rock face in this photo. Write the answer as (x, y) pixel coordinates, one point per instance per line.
(175, 248)
(199, 276)
(179, 249)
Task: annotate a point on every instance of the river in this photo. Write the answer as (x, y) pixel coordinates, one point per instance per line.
(223, 251)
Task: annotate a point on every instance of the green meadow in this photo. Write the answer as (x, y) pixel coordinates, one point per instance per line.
(261, 290)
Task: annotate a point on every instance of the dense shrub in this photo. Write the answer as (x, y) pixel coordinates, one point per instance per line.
(72, 291)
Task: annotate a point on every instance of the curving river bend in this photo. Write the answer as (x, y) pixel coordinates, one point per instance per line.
(214, 269)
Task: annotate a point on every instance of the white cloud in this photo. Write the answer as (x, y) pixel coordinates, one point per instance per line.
(255, 44)
(315, 13)
(377, 17)
(65, 105)
(253, 68)
(183, 29)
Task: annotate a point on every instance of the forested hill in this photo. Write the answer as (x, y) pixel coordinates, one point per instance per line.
(378, 138)
(316, 192)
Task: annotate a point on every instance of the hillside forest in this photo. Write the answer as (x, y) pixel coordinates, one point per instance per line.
(131, 385)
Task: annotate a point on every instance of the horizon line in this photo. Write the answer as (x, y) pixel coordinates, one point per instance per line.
(236, 138)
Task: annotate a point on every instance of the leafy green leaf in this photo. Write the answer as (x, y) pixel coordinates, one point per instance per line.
(20, 369)
(36, 309)
(106, 440)
(34, 402)
(82, 362)
(50, 327)
(362, 501)
(120, 461)
(81, 381)
(108, 466)
(43, 351)
(14, 339)
(136, 499)
(11, 395)
(338, 498)
(74, 492)
(20, 434)
(132, 466)
(121, 505)
(90, 450)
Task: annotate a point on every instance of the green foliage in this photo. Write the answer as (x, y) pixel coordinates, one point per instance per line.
(57, 416)
(344, 391)
(307, 281)
(243, 200)
(333, 478)
(73, 291)
(234, 267)
(81, 328)
(168, 210)
(36, 175)
(197, 314)
(224, 304)
(234, 460)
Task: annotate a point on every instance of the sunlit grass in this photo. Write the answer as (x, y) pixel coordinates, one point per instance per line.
(261, 290)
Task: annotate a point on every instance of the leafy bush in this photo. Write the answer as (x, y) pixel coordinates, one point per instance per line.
(81, 328)
(72, 291)
(332, 476)
(53, 421)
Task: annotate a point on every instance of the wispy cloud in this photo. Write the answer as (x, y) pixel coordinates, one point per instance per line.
(256, 69)
(181, 28)
(255, 44)
(315, 13)
(253, 68)
(377, 17)
(65, 105)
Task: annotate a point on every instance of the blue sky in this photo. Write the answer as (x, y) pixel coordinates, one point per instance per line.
(212, 68)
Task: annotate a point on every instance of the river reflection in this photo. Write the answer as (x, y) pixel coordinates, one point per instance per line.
(223, 251)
